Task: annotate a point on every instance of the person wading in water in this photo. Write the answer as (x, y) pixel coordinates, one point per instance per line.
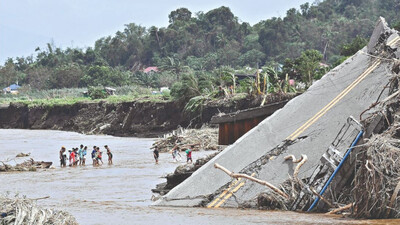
(156, 154)
(109, 154)
(63, 157)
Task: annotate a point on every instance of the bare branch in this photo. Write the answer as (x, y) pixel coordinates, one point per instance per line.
(341, 209)
(237, 175)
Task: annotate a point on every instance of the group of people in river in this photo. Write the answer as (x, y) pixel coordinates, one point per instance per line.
(176, 156)
(77, 156)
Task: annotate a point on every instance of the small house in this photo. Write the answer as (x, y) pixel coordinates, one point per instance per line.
(12, 89)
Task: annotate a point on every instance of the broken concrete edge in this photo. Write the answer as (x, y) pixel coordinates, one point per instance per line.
(181, 202)
(380, 34)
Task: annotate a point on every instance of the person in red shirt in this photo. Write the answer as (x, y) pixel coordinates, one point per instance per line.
(72, 157)
(76, 159)
(99, 156)
(189, 154)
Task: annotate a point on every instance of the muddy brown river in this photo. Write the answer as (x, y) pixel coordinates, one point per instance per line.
(121, 193)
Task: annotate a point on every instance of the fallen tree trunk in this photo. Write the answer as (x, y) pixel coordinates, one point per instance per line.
(341, 209)
(262, 182)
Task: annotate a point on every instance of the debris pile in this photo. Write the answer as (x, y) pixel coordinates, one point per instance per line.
(28, 165)
(274, 198)
(377, 179)
(21, 210)
(372, 192)
(206, 137)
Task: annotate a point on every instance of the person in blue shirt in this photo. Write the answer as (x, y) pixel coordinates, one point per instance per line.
(80, 153)
(83, 157)
(94, 156)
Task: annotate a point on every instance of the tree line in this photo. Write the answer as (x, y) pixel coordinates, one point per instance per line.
(202, 48)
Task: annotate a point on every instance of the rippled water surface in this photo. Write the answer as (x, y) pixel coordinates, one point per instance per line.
(120, 194)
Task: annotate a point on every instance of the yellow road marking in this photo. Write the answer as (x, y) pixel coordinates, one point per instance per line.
(393, 41)
(223, 193)
(326, 108)
(229, 194)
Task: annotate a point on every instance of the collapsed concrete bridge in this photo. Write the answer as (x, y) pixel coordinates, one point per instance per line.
(308, 124)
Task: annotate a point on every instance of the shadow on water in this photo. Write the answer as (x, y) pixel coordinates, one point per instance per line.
(120, 194)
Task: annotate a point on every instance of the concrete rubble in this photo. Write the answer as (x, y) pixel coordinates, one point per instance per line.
(322, 124)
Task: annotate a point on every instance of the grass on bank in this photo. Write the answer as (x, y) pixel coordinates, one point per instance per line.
(70, 96)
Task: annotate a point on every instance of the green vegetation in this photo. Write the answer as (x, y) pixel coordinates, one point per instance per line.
(97, 93)
(198, 54)
(70, 96)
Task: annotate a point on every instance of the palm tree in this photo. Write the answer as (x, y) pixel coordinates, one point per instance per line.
(173, 65)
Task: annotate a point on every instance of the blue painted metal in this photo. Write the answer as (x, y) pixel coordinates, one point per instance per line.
(336, 170)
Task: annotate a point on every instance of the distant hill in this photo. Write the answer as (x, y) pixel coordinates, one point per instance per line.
(202, 43)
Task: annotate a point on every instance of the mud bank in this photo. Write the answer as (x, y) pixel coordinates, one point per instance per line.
(136, 118)
(121, 119)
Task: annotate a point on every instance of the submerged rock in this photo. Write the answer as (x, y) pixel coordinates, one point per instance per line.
(181, 173)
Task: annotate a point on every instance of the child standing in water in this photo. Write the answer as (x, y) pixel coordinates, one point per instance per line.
(72, 157)
(80, 153)
(175, 153)
(77, 157)
(84, 152)
(94, 158)
(189, 154)
(99, 156)
(63, 157)
(109, 154)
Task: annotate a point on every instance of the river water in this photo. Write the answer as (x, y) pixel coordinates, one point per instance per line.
(121, 193)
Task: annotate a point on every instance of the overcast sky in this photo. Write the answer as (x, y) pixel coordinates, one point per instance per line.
(27, 24)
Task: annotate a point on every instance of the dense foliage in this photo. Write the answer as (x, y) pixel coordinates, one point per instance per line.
(198, 52)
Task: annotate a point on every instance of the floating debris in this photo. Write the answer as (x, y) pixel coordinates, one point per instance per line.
(23, 154)
(28, 165)
(21, 210)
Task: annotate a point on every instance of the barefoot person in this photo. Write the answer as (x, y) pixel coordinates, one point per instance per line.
(109, 154)
(156, 154)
